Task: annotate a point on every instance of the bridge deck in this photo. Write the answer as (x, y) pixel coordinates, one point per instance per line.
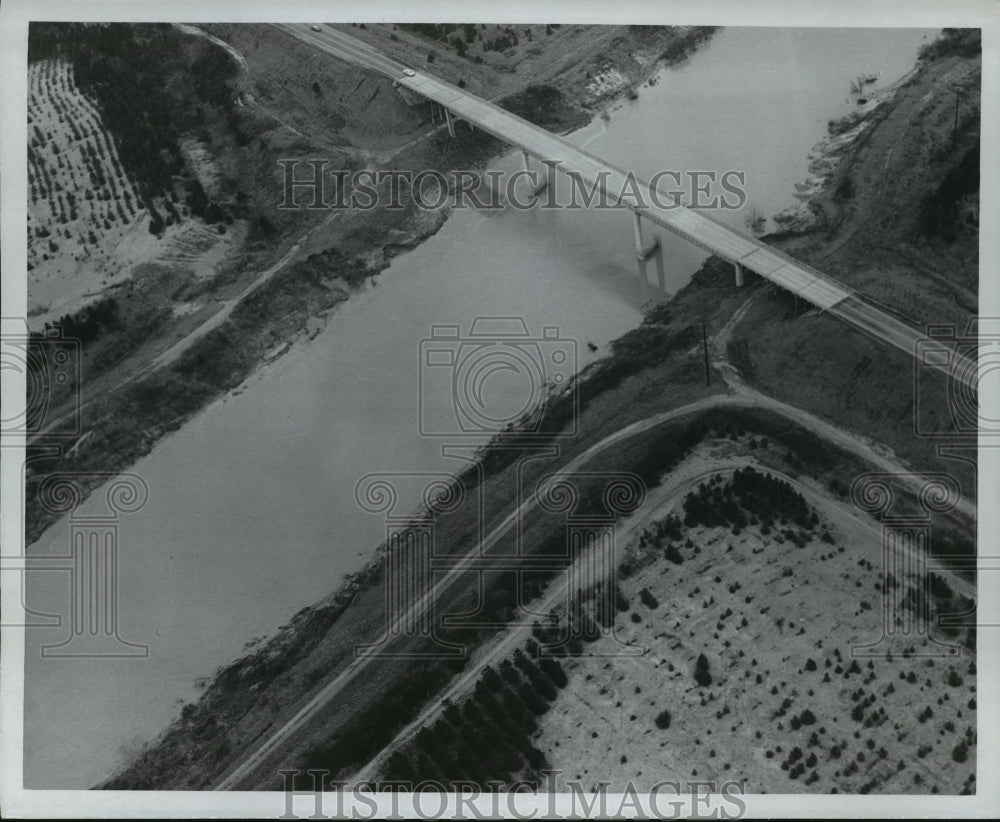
(695, 226)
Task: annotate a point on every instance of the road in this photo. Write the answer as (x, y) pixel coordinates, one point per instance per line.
(744, 398)
(444, 583)
(659, 504)
(697, 227)
(502, 124)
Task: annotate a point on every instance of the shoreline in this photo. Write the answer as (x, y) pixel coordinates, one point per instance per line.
(313, 313)
(827, 155)
(330, 606)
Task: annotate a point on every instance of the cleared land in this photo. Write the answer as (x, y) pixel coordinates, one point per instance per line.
(235, 278)
(801, 357)
(785, 708)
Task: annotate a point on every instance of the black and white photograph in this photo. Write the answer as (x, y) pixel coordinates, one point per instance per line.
(565, 410)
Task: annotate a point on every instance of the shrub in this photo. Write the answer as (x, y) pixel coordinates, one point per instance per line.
(554, 671)
(701, 672)
(491, 680)
(663, 720)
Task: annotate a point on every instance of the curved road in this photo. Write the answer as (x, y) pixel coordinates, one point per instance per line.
(348, 48)
(505, 642)
(744, 398)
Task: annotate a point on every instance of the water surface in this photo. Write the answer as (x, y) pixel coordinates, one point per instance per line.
(251, 513)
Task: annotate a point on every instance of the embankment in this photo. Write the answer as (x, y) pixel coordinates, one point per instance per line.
(125, 410)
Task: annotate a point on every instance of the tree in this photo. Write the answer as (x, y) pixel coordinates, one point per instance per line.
(961, 752)
(491, 680)
(509, 673)
(490, 705)
(663, 720)
(536, 704)
(519, 710)
(701, 672)
(399, 767)
(554, 671)
(453, 715)
(473, 713)
(430, 57)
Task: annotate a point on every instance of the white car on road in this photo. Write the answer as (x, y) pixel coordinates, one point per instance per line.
(409, 72)
(316, 28)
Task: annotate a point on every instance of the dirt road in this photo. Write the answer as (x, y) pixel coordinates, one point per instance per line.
(743, 398)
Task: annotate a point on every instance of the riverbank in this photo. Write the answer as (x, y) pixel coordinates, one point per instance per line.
(653, 368)
(892, 206)
(897, 220)
(860, 387)
(126, 410)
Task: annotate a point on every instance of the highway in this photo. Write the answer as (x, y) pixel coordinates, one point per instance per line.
(709, 234)
(697, 227)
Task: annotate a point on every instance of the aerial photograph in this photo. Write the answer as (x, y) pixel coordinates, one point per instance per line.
(527, 408)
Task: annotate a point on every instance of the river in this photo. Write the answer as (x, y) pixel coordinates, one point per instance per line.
(251, 513)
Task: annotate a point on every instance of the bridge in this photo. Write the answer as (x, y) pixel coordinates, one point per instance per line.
(743, 251)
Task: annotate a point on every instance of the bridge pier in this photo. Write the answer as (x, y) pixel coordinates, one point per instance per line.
(643, 251)
(543, 182)
(739, 274)
(661, 274)
(450, 121)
